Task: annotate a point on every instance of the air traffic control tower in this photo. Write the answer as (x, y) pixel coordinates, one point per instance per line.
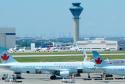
(76, 10)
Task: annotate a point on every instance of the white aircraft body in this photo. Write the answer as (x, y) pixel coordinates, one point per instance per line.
(108, 67)
(117, 62)
(62, 69)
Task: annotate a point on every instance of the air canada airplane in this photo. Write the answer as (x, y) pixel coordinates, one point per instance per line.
(108, 67)
(62, 69)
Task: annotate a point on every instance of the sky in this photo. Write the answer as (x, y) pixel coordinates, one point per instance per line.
(52, 18)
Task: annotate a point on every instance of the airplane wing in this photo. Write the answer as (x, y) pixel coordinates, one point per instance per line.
(4, 66)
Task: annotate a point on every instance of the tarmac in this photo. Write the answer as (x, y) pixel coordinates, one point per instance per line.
(44, 79)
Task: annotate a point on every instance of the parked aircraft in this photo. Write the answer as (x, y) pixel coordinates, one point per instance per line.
(62, 69)
(108, 67)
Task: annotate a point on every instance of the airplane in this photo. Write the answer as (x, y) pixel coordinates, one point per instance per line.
(62, 69)
(112, 61)
(108, 67)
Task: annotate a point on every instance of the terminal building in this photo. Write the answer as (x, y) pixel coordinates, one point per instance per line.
(7, 37)
(99, 44)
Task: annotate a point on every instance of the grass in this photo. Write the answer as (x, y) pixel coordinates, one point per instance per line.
(45, 53)
(60, 58)
(49, 59)
(64, 52)
(115, 56)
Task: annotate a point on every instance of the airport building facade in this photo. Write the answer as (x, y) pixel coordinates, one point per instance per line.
(7, 37)
(98, 44)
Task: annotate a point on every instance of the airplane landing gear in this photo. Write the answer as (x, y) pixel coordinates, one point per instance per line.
(53, 77)
(77, 75)
(18, 75)
(89, 75)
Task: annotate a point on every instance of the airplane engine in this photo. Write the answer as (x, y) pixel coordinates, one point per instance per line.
(79, 71)
(64, 73)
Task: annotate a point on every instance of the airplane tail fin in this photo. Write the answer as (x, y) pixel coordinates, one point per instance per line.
(5, 57)
(98, 59)
(85, 55)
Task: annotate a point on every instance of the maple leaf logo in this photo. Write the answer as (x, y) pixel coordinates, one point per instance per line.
(98, 61)
(5, 57)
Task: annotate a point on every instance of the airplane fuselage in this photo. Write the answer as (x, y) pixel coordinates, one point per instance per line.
(57, 68)
(116, 70)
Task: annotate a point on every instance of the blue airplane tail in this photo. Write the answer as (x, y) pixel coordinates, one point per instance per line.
(97, 57)
(5, 57)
